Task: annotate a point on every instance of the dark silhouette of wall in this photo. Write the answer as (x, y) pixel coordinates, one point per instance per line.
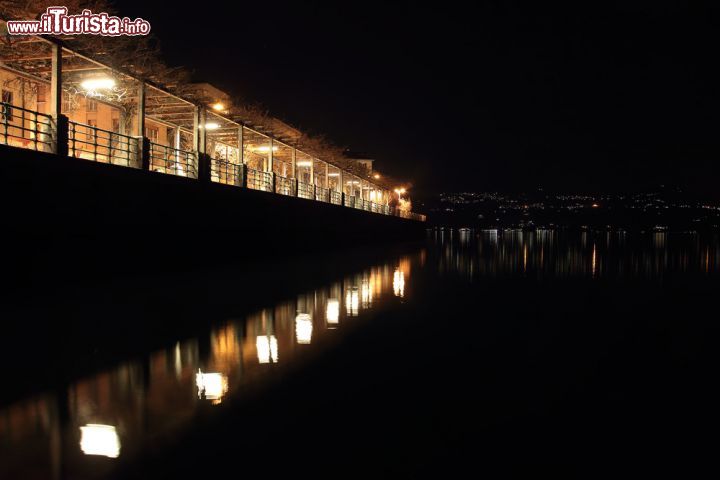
(60, 212)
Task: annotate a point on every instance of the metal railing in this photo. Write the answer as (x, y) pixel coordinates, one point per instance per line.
(305, 190)
(25, 128)
(98, 145)
(172, 161)
(322, 194)
(223, 171)
(258, 180)
(335, 197)
(284, 186)
(20, 127)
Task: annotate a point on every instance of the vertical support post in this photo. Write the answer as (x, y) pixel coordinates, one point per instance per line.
(312, 171)
(243, 175)
(294, 160)
(56, 81)
(241, 153)
(141, 110)
(200, 143)
(202, 140)
(140, 133)
(60, 136)
(177, 143)
(327, 177)
(144, 153)
(196, 130)
(270, 156)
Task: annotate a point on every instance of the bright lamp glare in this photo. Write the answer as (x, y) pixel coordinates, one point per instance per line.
(265, 149)
(211, 126)
(99, 440)
(92, 84)
(303, 163)
(218, 106)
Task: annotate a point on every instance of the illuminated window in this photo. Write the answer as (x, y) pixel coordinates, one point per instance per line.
(91, 105)
(66, 102)
(91, 131)
(6, 114)
(152, 133)
(41, 95)
(116, 125)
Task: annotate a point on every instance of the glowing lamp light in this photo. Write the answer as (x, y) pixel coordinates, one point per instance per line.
(100, 440)
(332, 312)
(92, 84)
(211, 126)
(333, 174)
(303, 328)
(267, 348)
(218, 107)
(303, 163)
(376, 176)
(264, 149)
(400, 191)
(212, 385)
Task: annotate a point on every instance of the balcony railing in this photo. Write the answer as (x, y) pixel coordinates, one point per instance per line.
(322, 194)
(172, 161)
(98, 145)
(335, 197)
(284, 186)
(20, 127)
(25, 128)
(258, 180)
(228, 173)
(305, 190)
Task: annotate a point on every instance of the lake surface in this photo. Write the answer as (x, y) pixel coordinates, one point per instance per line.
(501, 352)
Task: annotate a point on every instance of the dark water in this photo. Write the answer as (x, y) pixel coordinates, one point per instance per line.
(477, 353)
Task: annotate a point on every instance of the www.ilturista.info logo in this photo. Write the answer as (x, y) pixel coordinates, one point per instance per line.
(56, 21)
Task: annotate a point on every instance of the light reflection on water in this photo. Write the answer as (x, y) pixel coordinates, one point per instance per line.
(547, 254)
(78, 432)
(75, 433)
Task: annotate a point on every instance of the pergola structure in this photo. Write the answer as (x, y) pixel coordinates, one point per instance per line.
(56, 99)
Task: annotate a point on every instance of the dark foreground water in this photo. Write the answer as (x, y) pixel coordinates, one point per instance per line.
(474, 354)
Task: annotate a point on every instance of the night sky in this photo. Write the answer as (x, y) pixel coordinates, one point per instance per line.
(498, 97)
